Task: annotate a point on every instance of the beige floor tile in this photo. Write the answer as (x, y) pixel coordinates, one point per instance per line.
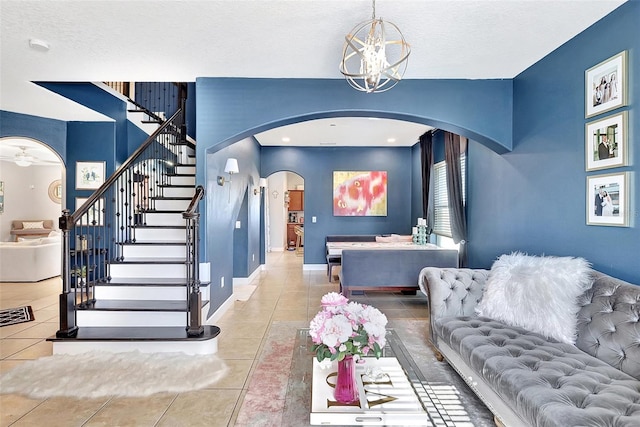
(61, 412)
(11, 346)
(290, 315)
(40, 349)
(238, 348)
(208, 408)
(8, 331)
(38, 330)
(236, 377)
(246, 329)
(13, 407)
(134, 412)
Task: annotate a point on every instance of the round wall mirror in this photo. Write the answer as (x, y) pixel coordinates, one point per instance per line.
(55, 191)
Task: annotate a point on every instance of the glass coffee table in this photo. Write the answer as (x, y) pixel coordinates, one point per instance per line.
(425, 403)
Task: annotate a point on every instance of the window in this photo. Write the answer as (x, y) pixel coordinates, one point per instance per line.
(441, 221)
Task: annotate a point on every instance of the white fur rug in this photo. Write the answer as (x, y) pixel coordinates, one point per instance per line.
(94, 374)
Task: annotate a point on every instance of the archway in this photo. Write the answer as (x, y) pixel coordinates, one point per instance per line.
(33, 182)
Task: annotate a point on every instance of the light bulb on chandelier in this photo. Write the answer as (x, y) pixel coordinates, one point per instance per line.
(375, 55)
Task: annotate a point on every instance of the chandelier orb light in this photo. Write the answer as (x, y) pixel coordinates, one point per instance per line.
(375, 55)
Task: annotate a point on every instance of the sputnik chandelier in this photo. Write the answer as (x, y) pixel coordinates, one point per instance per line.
(375, 55)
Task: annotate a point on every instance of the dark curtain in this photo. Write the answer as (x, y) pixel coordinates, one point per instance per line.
(457, 214)
(426, 154)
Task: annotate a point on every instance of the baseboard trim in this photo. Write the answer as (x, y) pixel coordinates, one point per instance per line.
(247, 280)
(314, 267)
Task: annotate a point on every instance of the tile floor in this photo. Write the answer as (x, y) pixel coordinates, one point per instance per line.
(283, 292)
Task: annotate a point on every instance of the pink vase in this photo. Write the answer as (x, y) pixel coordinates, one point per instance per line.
(346, 388)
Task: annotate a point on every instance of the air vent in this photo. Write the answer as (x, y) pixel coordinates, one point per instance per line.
(327, 143)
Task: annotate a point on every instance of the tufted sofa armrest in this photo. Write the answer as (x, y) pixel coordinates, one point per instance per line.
(609, 323)
(452, 291)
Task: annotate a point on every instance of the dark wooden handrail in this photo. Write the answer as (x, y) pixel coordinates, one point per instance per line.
(82, 210)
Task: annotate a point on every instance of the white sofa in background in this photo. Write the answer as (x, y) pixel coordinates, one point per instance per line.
(30, 260)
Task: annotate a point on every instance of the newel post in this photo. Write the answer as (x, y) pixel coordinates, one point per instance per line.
(68, 327)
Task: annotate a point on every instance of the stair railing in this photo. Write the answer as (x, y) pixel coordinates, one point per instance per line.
(93, 235)
(192, 218)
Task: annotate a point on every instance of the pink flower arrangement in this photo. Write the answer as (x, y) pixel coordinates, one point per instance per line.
(344, 328)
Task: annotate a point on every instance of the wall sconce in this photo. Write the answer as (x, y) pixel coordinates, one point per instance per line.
(262, 184)
(230, 167)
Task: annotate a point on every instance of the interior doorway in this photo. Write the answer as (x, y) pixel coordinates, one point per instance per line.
(284, 214)
(32, 183)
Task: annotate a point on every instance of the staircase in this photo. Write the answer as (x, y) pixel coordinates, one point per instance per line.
(130, 269)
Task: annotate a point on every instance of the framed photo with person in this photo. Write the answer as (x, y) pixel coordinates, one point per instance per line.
(608, 199)
(606, 142)
(606, 85)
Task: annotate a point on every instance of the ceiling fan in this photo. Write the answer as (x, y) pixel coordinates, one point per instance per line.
(23, 157)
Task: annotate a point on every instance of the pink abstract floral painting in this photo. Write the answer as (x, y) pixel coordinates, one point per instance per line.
(360, 193)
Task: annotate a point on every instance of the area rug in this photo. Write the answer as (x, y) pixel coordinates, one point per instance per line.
(12, 316)
(101, 374)
(267, 403)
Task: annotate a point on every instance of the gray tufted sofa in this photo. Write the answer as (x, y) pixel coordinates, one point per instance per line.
(526, 379)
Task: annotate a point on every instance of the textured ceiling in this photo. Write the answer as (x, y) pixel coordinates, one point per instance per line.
(175, 40)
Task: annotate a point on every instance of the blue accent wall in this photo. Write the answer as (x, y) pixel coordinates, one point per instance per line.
(89, 142)
(224, 205)
(316, 166)
(534, 198)
(97, 99)
(49, 131)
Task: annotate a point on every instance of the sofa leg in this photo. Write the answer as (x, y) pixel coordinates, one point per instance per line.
(439, 356)
(498, 422)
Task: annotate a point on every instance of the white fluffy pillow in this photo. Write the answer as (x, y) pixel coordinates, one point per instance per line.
(536, 293)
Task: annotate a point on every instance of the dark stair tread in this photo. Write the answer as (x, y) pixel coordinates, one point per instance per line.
(138, 260)
(163, 243)
(181, 174)
(148, 281)
(157, 333)
(171, 197)
(158, 226)
(138, 305)
(163, 211)
(177, 185)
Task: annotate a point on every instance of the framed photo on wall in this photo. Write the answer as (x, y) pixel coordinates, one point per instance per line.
(89, 175)
(606, 143)
(608, 199)
(95, 215)
(606, 85)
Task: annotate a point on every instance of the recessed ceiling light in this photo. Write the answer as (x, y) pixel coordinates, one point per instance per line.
(391, 140)
(286, 139)
(38, 44)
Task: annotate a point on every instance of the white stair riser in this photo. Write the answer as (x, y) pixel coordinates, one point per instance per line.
(172, 205)
(153, 251)
(188, 170)
(130, 318)
(183, 180)
(178, 192)
(121, 271)
(186, 156)
(188, 347)
(165, 219)
(154, 293)
(160, 235)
